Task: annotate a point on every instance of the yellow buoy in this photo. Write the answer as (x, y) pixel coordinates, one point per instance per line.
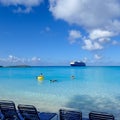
(40, 77)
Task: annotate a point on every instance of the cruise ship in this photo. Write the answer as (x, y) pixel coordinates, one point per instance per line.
(77, 63)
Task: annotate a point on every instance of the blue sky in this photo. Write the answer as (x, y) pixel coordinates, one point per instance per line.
(56, 32)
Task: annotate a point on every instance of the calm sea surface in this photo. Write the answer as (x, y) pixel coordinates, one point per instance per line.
(93, 89)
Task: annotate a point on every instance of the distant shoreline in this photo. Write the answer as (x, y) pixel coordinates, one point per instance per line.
(16, 66)
(28, 66)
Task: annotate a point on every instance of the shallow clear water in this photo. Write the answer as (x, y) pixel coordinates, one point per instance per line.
(93, 89)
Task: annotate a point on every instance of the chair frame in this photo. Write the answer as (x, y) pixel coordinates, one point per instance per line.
(8, 110)
(29, 112)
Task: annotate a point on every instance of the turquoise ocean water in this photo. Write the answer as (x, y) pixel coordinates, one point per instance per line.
(93, 89)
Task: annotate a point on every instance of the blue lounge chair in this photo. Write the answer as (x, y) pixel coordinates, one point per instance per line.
(100, 116)
(1, 116)
(29, 112)
(8, 110)
(70, 115)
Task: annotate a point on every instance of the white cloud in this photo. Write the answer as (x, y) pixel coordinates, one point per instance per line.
(104, 40)
(90, 45)
(74, 35)
(114, 42)
(13, 60)
(98, 57)
(96, 42)
(21, 10)
(28, 4)
(85, 59)
(63, 8)
(100, 19)
(45, 30)
(97, 33)
(36, 59)
(96, 39)
(88, 13)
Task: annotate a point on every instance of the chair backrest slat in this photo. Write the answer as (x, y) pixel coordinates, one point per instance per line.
(70, 115)
(100, 116)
